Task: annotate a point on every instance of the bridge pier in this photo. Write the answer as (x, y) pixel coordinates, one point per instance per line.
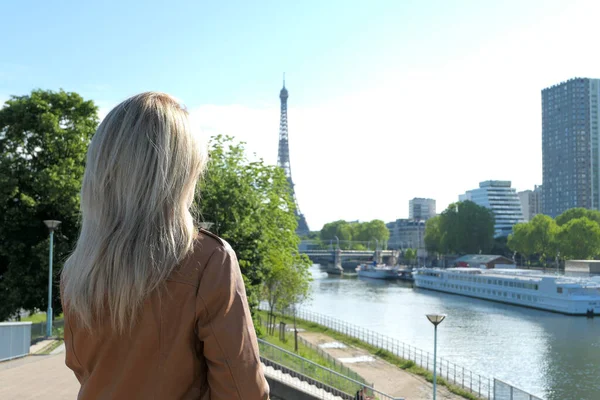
(337, 263)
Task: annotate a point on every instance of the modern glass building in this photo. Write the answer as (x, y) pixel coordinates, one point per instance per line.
(499, 197)
(570, 153)
(421, 209)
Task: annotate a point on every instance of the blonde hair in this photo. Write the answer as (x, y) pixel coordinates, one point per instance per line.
(142, 167)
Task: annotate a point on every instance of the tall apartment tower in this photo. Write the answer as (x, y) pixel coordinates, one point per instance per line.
(421, 209)
(570, 156)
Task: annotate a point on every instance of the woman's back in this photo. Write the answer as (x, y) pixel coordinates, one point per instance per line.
(153, 309)
(194, 338)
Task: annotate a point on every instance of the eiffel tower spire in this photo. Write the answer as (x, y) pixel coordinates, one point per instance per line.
(283, 157)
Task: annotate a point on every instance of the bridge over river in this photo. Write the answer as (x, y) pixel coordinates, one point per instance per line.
(338, 260)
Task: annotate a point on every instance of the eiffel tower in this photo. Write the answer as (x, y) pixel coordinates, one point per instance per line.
(283, 158)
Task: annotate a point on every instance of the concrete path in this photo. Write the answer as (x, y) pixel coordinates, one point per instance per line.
(387, 378)
(37, 377)
(48, 378)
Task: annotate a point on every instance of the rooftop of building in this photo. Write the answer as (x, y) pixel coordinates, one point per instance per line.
(566, 82)
(492, 183)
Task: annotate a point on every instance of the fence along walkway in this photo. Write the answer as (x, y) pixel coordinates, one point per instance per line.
(477, 384)
(337, 365)
(315, 374)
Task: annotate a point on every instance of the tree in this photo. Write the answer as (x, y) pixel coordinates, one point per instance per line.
(359, 232)
(43, 143)
(295, 289)
(340, 229)
(410, 255)
(542, 236)
(251, 207)
(520, 240)
(433, 236)
(369, 231)
(574, 213)
(579, 239)
(466, 228)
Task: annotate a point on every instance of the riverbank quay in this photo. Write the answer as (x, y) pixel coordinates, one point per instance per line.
(459, 380)
(390, 374)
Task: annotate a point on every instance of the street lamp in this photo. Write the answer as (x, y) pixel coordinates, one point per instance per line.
(52, 225)
(435, 319)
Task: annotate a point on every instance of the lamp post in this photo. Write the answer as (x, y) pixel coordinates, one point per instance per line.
(52, 225)
(435, 319)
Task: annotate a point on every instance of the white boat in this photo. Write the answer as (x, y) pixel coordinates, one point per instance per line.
(558, 293)
(377, 271)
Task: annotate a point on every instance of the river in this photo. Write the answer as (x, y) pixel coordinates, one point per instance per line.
(550, 355)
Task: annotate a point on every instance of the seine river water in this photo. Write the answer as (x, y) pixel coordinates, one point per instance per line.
(550, 355)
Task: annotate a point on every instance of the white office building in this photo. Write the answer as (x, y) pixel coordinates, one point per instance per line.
(499, 197)
(421, 209)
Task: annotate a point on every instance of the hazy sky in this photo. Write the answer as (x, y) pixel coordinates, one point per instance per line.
(389, 100)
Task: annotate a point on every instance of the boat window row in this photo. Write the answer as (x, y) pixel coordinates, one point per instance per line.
(492, 292)
(429, 273)
(498, 282)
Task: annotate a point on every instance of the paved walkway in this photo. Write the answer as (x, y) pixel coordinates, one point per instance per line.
(37, 377)
(387, 378)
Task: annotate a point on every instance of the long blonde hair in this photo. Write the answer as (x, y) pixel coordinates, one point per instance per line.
(141, 172)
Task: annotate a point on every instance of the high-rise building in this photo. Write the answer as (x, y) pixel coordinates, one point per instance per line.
(499, 197)
(283, 158)
(531, 202)
(570, 156)
(421, 209)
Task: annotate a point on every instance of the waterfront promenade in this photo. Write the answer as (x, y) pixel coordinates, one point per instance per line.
(385, 376)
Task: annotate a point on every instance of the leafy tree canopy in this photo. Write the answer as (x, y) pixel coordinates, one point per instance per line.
(575, 213)
(463, 228)
(43, 143)
(250, 206)
(579, 239)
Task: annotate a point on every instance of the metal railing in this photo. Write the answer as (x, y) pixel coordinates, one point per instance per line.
(475, 383)
(337, 365)
(38, 330)
(505, 391)
(15, 339)
(331, 362)
(317, 375)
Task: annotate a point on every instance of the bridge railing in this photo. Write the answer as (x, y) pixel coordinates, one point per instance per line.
(455, 374)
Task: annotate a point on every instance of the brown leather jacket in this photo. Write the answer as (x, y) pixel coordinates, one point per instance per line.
(195, 340)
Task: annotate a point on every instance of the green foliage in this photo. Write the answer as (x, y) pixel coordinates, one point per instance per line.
(374, 229)
(542, 233)
(576, 237)
(346, 232)
(410, 255)
(463, 228)
(250, 205)
(579, 239)
(43, 143)
(520, 239)
(575, 213)
(433, 236)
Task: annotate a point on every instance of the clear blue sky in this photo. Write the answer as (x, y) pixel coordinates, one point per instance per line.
(394, 82)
